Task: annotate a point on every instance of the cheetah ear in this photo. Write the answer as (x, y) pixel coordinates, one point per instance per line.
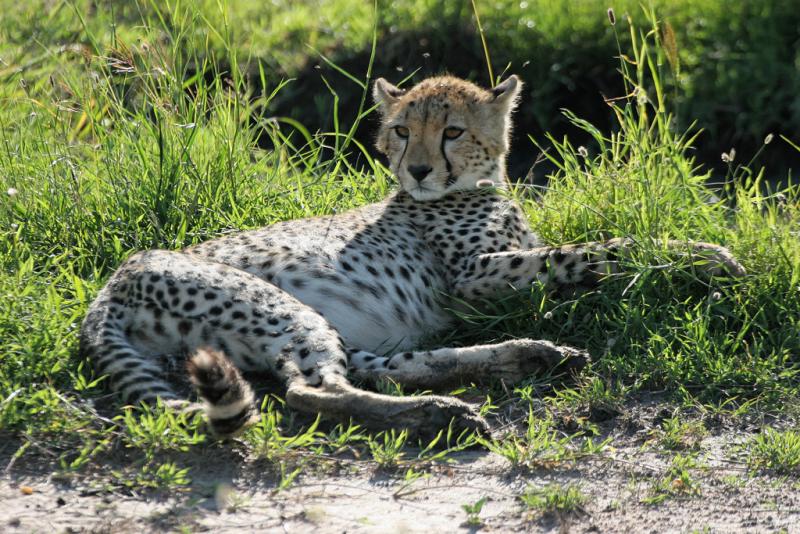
(507, 93)
(386, 94)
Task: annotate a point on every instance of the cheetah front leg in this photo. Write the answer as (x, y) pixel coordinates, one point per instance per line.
(511, 361)
(495, 273)
(587, 263)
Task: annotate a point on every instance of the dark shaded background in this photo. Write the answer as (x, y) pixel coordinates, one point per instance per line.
(740, 75)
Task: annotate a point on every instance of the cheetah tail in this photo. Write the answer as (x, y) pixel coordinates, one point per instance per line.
(230, 402)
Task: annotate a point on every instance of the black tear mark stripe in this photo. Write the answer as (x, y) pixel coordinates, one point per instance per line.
(446, 161)
(403, 155)
(450, 178)
(405, 146)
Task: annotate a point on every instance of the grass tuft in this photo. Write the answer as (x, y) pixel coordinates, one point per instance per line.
(555, 499)
(775, 450)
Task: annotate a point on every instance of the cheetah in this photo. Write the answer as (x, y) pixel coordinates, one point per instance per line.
(310, 301)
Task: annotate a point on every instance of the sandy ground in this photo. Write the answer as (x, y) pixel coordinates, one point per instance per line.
(231, 494)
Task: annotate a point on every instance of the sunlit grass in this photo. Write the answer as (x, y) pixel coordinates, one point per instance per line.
(554, 499)
(775, 450)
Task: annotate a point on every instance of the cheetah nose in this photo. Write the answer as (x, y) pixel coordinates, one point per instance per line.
(419, 172)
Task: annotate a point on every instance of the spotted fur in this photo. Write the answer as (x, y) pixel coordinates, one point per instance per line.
(313, 299)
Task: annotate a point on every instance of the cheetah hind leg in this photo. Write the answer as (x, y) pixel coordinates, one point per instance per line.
(424, 416)
(230, 402)
(511, 361)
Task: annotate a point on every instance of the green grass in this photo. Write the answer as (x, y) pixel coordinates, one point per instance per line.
(564, 49)
(676, 482)
(775, 450)
(676, 434)
(555, 499)
(542, 446)
(473, 512)
(122, 146)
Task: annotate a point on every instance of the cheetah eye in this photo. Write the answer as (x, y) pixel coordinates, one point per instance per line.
(451, 132)
(401, 131)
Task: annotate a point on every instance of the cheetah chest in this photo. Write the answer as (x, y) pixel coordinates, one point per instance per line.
(370, 273)
(378, 275)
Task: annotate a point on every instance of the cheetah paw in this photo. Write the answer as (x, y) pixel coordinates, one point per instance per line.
(434, 414)
(523, 358)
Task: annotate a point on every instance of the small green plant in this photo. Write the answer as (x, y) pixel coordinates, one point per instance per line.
(676, 481)
(675, 434)
(473, 512)
(227, 498)
(343, 437)
(594, 399)
(71, 462)
(775, 450)
(288, 474)
(387, 448)
(159, 428)
(409, 477)
(445, 443)
(152, 475)
(734, 481)
(267, 440)
(167, 475)
(555, 499)
(542, 446)
(392, 449)
(387, 386)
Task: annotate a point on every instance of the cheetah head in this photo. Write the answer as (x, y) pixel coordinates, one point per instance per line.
(445, 134)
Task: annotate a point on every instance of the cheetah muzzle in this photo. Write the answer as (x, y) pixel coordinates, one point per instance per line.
(312, 300)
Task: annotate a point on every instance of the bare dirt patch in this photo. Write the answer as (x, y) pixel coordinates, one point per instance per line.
(629, 488)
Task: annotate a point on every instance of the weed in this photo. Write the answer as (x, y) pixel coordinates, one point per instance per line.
(675, 434)
(387, 448)
(152, 475)
(555, 499)
(541, 446)
(473, 512)
(288, 475)
(734, 481)
(775, 450)
(592, 400)
(267, 442)
(343, 438)
(159, 429)
(409, 477)
(391, 451)
(227, 498)
(74, 462)
(676, 481)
